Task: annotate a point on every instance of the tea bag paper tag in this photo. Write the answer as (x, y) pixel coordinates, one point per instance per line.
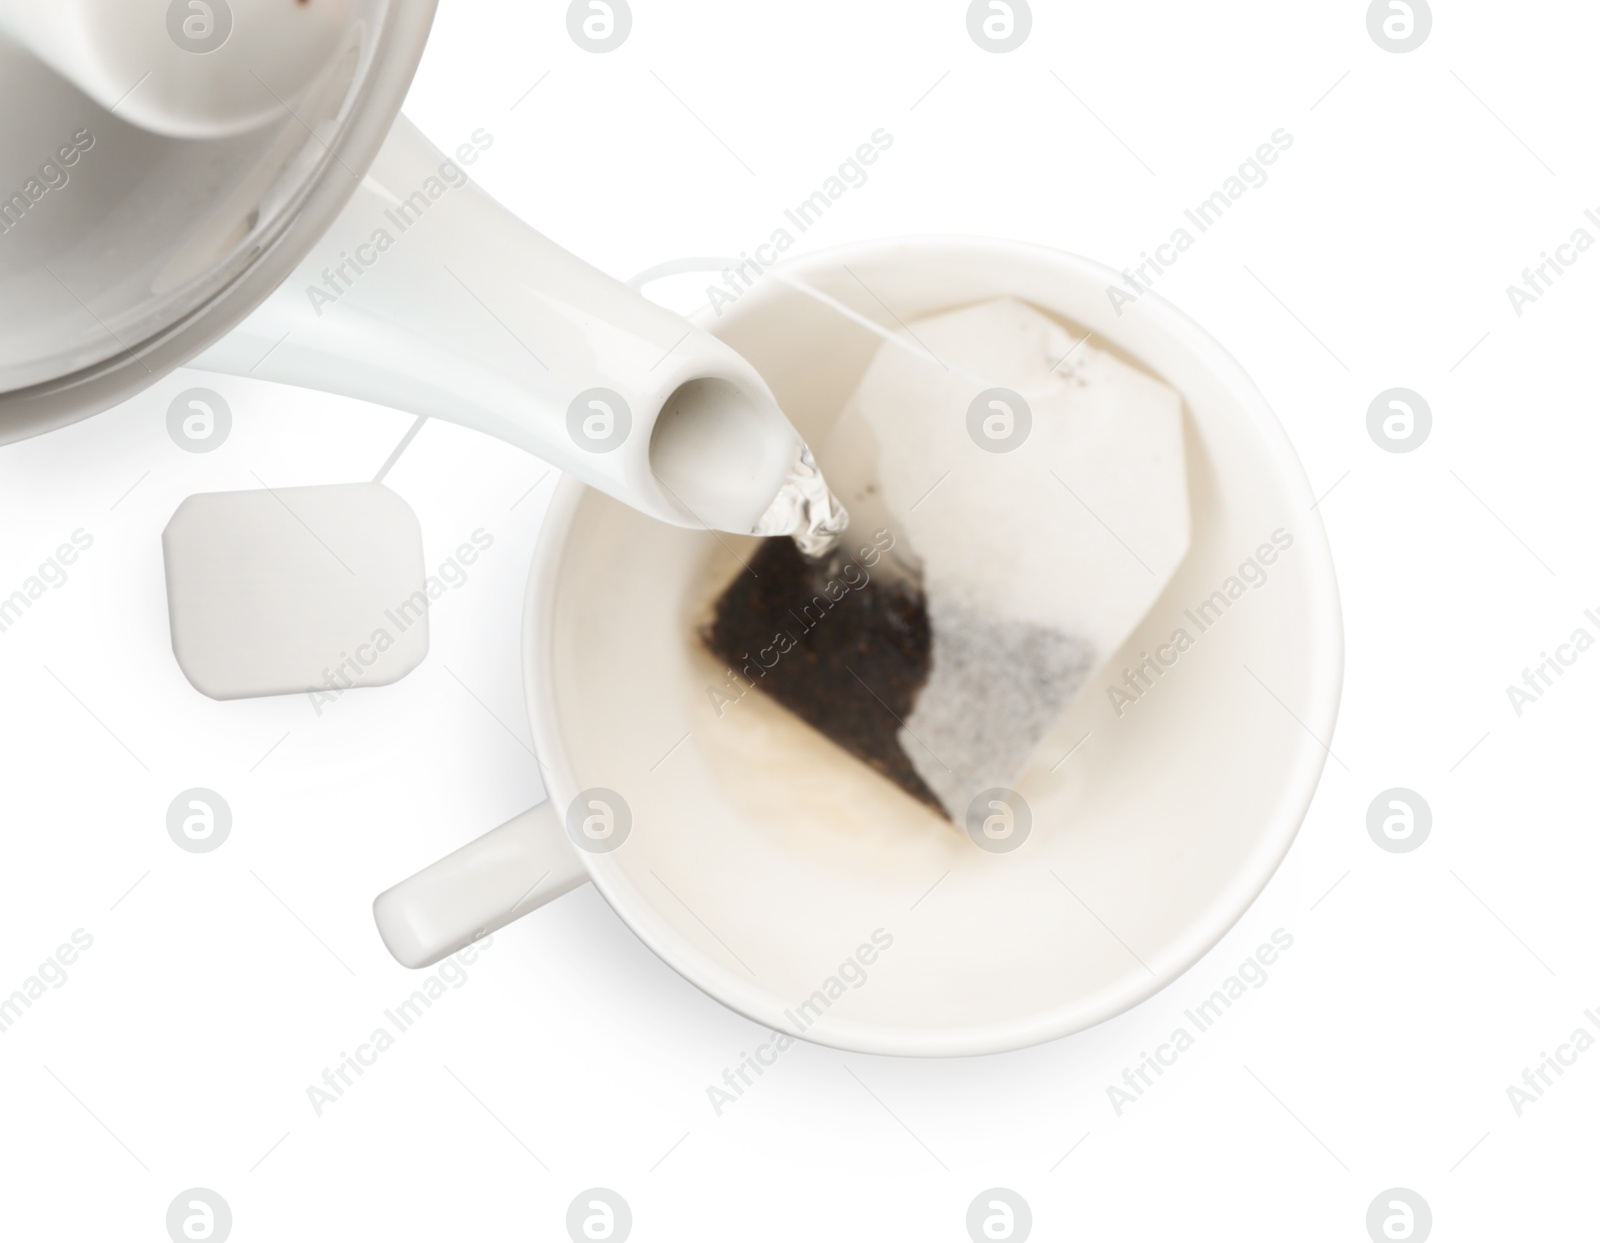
(275, 592)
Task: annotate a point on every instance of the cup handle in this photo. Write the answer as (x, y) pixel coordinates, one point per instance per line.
(485, 885)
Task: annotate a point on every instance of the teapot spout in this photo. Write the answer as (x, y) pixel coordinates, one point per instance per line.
(430, 297)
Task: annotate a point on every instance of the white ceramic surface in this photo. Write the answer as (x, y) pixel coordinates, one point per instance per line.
(209, 146)
(185, 74)
(145, 206)
(428, 296)
(759, 858)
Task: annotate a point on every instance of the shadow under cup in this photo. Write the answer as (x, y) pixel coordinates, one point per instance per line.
(801, 889)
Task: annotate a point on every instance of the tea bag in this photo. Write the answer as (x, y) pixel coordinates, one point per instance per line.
(1025, 490)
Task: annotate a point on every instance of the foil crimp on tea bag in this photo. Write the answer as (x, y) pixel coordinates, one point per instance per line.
(1020, 495)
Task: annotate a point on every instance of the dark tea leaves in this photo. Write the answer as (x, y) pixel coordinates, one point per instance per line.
(837, 641)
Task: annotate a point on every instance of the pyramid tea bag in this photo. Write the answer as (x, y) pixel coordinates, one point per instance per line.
(842, 646)
(1021, 496)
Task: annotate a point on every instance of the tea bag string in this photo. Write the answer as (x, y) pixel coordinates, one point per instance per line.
(679, 267)
(919, 350)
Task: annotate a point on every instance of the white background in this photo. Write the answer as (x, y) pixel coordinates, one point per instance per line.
(1419, 985)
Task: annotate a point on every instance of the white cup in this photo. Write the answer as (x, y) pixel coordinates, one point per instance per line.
(794, 885)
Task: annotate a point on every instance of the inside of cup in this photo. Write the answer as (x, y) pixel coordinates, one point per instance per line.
(804, 890)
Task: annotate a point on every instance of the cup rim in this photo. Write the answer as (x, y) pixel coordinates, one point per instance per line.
(1229, 905)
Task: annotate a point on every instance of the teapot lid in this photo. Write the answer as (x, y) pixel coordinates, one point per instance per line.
(126, 249)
